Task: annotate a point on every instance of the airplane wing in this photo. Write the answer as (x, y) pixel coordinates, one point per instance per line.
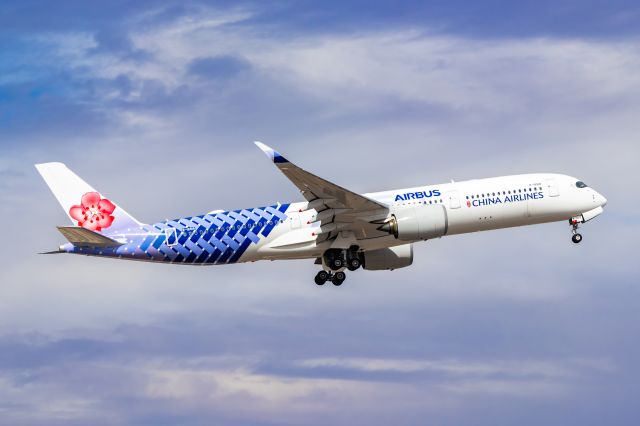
(314, 187)
(340, 208)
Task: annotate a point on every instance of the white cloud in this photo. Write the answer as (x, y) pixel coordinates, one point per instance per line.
(456, 368)
(501, 76)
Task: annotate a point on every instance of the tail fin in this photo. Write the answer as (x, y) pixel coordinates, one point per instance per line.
(85, 206)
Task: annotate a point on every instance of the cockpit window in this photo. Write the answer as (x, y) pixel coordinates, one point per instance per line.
(581, 184)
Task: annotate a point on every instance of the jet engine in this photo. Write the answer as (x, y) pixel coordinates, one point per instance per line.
(417, 222)
(388, 258)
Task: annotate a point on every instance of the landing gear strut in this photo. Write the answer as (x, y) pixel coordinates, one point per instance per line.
(576, 237)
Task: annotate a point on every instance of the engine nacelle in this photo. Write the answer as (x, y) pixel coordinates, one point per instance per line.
(417, 222)
(388, 258)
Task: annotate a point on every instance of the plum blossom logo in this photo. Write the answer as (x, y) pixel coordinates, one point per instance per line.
(94, 212)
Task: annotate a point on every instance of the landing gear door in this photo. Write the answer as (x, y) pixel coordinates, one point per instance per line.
(454, 200)
(552, 188)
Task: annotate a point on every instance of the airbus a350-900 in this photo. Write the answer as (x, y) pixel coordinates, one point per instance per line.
(337, 227)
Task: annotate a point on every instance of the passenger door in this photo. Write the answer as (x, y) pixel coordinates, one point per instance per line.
(552, 188)
(454, 200)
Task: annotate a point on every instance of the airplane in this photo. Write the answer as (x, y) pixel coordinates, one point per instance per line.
(340, 229)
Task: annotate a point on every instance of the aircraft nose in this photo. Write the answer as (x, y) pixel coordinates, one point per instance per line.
(601, 200)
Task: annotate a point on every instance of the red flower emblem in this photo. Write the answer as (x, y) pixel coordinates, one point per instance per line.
(468, 203)
(93, 213)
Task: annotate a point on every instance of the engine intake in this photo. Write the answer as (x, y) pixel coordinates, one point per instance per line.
(417, 222)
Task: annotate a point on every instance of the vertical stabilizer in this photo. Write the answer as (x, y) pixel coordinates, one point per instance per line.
(85, 206)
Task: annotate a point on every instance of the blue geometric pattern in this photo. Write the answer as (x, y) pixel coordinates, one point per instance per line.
(215, 238)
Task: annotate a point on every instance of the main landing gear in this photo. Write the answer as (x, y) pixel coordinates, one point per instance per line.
(576, 237)
(337, 279)
(336, 260)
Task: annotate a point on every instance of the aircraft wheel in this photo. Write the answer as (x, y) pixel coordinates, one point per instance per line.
(338, 278)
(321, 277)
(576, 238)
(354, 264)
(336, 263)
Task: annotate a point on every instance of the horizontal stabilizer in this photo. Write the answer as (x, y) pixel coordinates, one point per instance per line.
(83, 237)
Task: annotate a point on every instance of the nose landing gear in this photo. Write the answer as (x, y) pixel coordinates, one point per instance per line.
(576, 237)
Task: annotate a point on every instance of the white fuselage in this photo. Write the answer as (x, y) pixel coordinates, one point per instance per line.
(471, 206)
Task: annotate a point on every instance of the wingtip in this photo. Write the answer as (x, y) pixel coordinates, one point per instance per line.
(274, 155)
(266, 149)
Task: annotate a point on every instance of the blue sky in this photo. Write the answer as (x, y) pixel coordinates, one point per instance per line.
(157, 104)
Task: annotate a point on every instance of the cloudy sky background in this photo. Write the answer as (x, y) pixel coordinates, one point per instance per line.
(157, 104)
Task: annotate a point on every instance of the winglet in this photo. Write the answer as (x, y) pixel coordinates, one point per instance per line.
(271, 153)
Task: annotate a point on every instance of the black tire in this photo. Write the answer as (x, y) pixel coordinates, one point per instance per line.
(336, 264)
(354, 264)
(338, 278)
(576, 238)
(321, 277)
